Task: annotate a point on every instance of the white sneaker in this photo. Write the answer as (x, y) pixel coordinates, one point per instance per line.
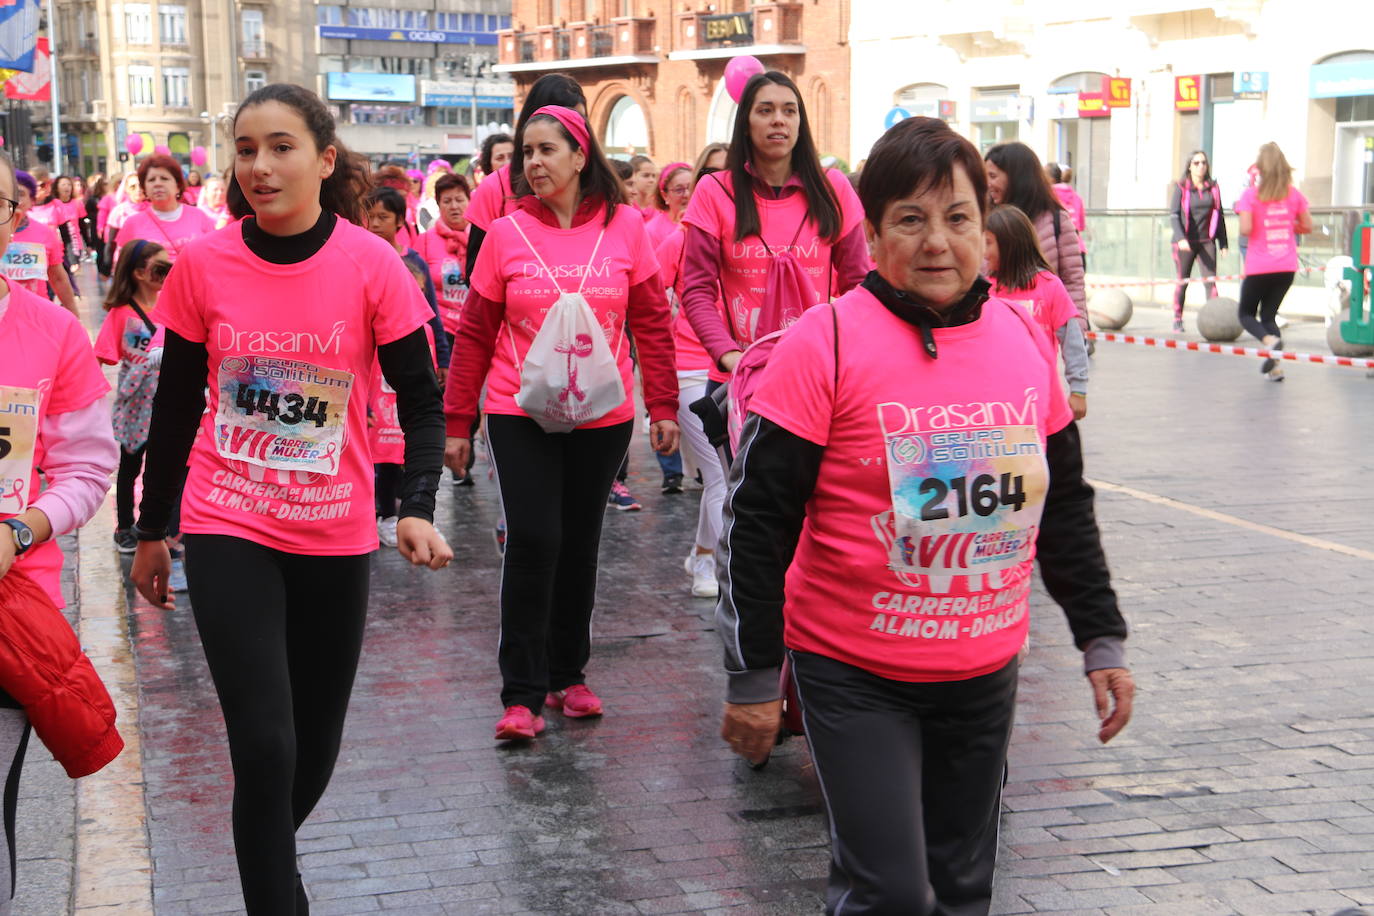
(386, 531)
(703, 569)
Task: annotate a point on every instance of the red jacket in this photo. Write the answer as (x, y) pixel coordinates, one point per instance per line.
(43, 668)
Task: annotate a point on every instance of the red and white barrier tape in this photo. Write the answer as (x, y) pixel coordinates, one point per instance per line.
(1226, 279)
(1171, 343)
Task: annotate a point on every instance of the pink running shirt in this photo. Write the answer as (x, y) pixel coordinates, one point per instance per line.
(124, 337)
(690, 354)
(1047, 301)
(490, 200)
(446, 272)
(916, 556)
(46, 369)
(744, 266)
(32, 250)
(1273, 246)
(282, 457)
(507, 271)
(172, 235)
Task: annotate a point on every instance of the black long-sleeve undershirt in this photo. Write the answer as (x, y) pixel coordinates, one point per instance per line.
(406, 364)
(180, 401)
(771, 483)
(476, 235)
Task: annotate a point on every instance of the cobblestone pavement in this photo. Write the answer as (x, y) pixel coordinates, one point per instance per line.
(1245, 784)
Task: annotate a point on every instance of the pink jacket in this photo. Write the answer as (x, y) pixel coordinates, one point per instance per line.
(1065, 257)
(1074, 204)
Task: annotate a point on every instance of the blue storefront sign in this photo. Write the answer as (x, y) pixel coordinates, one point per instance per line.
(1251, 84)
(449, 100)
(1334, 81)
(371, 87)
(435, 36)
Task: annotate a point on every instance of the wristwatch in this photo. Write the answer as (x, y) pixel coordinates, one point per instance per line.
(23, 535)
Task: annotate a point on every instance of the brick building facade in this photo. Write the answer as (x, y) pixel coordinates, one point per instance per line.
(653, 69)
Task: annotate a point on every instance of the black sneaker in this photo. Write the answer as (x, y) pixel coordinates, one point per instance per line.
(672, 483)
(1268, 365)
(463, 481)
(125, 542)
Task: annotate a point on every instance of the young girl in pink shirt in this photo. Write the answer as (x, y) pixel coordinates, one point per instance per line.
(53, 416)
(126, 339)
(167, 220)
(775, 231)
(1021, 275)
(570, 233)
(281, 317)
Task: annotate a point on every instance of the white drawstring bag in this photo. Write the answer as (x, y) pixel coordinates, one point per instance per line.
(569, 375)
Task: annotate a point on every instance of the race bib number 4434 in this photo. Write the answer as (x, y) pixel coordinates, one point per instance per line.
(282, 414)
(18, 439)
(965, 502)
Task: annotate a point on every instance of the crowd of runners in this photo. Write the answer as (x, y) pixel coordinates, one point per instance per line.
(887, 367)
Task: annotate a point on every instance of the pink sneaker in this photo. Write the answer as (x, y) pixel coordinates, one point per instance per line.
(576, 702)
(518, 722)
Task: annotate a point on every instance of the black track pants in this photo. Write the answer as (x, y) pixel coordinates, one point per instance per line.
(553, 488)
(912, 778)
(1263, 293)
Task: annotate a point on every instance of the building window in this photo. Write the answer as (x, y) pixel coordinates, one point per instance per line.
(176, 87)
(253, 44)
(141, 86)
(364, 17)
(386, 114)
(172, 23)
(138, 23)
(329, 15)
(253, 80)
(452, 117)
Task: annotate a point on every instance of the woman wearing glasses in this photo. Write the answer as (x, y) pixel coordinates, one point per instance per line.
(671, 196)
(52, 401)
(166, 221)
(33, 257)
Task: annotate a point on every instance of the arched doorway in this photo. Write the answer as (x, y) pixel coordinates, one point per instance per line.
(1082, 144)
(720, 120)
(627, 130)
(921, 100)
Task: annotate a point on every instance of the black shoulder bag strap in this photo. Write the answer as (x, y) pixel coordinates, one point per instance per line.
(152, 328)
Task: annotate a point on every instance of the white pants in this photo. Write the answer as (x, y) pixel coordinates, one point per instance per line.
(697, 453)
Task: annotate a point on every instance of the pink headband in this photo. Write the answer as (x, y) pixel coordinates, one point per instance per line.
(668, 171)
(571, 120)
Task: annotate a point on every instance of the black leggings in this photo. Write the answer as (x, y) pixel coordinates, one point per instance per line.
(1264, 292)
(914, 814)
(1206, 252)
(388, 488)
(282, 634)
(130, 465)
(553, 490)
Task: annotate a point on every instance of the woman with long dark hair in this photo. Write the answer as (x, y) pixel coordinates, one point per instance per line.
(774, 229)
(570, 226)
(495, 196)
(282, 318)
(1272, 216)
(1199, 225)
(1016, 177)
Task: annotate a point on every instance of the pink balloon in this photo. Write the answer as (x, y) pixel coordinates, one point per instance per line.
(738, 72)
(198, 156)
(162, 150)
(2, 142)
(134, 144)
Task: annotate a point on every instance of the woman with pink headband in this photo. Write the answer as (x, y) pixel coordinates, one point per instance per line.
(569, 230)
(671, 193)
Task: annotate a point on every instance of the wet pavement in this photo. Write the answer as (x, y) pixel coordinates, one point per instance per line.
(1239, 533)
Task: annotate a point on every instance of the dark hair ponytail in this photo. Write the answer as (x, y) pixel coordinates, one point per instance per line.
(342, 193)
(135, 255)
(823, 207)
